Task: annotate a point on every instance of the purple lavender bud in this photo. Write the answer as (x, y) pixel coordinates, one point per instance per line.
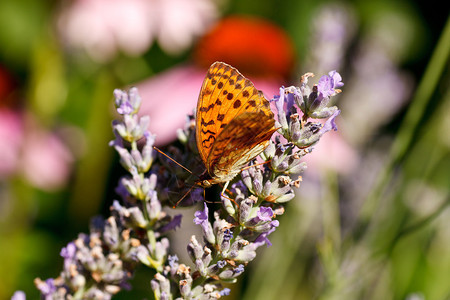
(126, 159)
(269, 152)
(283, 166)
(68, 253)
(257, 181)
(154, 284)
(137, 160)
(221, 264)
(123, 103)
(245, 210)
(228, 205)
(95, 293)
(239, 187)
(147, 152)
(152, 181)
(206, 257)
(280, 155)
(141, 128)
(164, 296)
(111, 233)
(294, 128)
(194, 249)
(173, 261)
(125, 108)
(296, 166)
(239, 269)
(130, 186)
(161, 287)
(215, 268)
(324, 112)
(246, 179)
(246, 254)
(161, 249)
(225, 292)
(201, 267)
(201, 218)
(47, 288)
(267, 188)
(279, 104)
(19, 295)
(185, 288)
(232, 273)
(134, 98)
(297, 95)
(137, 217)
(77, 282)
(223, 239)
(143, 255)
(153, 205)
(146, 190)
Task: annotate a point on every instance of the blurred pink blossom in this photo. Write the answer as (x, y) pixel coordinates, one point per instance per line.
(27, 149)
(104, 27)
(168, 97)
(11, 138)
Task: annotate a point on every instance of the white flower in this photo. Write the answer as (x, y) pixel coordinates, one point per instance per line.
(104, 27)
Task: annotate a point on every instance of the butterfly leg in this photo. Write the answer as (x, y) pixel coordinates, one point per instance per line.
(224, 188)
(222, 194)
(258, 164)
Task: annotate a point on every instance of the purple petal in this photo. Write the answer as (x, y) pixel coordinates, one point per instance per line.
(330, 123)
(265, 213)
(225, 292)
(337, 79)
(172, 225)
(325, 86)
(173, 261)
(201, 216)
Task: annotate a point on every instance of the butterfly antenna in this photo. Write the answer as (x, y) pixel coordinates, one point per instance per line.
(174, 162)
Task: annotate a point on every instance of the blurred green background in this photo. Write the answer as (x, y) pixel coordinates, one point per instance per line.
(371, 219)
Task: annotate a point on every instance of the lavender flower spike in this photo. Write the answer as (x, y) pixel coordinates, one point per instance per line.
(99, 264)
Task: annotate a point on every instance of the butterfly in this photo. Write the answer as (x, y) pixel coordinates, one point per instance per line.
(234, 124)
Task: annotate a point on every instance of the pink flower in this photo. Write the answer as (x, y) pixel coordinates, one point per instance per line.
(104, 27)
(11, 139)
(46, 161)
(27, 149)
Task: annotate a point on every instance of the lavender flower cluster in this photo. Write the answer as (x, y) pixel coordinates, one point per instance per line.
(99, 264)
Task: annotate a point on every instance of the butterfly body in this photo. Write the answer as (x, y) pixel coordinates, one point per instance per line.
(234, 124)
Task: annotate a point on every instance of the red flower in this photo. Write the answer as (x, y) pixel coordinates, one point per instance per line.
(256, 47)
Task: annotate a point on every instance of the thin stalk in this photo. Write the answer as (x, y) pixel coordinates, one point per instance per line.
(410, 123)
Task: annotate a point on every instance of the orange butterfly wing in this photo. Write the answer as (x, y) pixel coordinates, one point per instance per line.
(234, 121)
(246, 136)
